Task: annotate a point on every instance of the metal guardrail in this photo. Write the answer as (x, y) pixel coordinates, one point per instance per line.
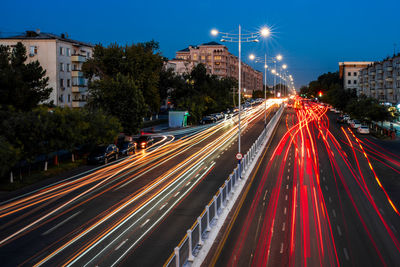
(195, 236)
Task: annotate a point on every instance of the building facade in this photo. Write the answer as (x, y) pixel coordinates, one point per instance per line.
(218, 61)
(349, 73)
(381, 80)
(62, 58)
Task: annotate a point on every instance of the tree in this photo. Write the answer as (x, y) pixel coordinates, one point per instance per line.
(120, 97)
(22, 86)
(141, 62)
(9, 156)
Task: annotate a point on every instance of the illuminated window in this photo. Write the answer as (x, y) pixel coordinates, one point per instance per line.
(194, 56)
(203, 57)
(217, 57)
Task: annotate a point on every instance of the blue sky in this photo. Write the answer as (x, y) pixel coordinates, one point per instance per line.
(313, 36)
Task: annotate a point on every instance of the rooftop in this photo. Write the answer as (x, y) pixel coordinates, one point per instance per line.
(37, 35)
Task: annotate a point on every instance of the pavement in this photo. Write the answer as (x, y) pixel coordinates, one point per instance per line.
(130, 212)
(317, 202)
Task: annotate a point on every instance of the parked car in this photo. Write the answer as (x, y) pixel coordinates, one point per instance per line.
(127, 148)
(346, 117)
(340, 119)
(355, 124)
(144, 141)
(350, 121)
(208, 119)
(103, 154)
(363, 129)
(337, 111)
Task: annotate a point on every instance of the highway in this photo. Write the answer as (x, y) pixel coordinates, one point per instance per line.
(131, 212)
(321, 195)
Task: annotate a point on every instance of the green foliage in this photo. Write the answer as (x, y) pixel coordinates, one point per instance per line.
(22, 86)
(367, 109)
(121, 98)
(201, 93)
(27, 135)
(141, 63)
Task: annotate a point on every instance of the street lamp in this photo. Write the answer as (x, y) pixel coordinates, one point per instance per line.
(239, 38)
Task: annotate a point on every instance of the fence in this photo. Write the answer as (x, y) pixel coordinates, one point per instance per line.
(196, 235)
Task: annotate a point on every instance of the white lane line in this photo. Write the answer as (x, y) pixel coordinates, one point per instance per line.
(265, 195)
(289, 163)
(120, 245)
(346, 254)
(288, 169)
(287, 186)
(394, 229)
(326, 187)
(323, 178)
(339, 231)
(163, 206)
(381, 210)
(218, 156)
(188, 183)
(177, 193)
(287, 177)
(283, 226)
(334, 213)
(61, 223)
(286, 197)
(281, 251)
(143, 224)
(330, 199)
(197, 175)
(285, 210)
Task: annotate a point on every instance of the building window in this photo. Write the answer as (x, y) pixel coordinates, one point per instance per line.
(33, 51)
(61, 98)
(217, 57)
(61, 51)
(61, 66)
(349, 74)
(68, 52)
(68, 67)
(355, 82)
(203, 57)
(194, 56)
(68, 82)
(354, 73)
(61, 83)
(88, 54)
(69, 98)
(349, 82)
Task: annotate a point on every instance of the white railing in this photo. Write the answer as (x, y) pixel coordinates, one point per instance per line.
(196, 235)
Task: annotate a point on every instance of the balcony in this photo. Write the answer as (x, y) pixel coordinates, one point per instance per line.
(389, 79)
(390, 91)
(78, 103)
(78, 89)
(372, 73)
(76, 73)
(389, 68)
(379, 71)
(78, 58)
(398, 78)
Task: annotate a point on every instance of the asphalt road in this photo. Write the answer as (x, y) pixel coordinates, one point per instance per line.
(316, 199)
(133, 212)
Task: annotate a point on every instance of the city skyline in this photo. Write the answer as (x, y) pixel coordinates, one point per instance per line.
(311, 39)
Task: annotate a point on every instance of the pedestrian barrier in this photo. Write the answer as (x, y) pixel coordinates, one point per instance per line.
(195, 237)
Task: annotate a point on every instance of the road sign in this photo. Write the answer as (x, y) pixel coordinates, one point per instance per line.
(239, 156)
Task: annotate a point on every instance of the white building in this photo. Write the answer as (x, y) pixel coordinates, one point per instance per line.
(62, 59)
(348, 72)
(381, 80)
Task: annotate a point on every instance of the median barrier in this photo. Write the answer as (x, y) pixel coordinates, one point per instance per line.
(200, 236)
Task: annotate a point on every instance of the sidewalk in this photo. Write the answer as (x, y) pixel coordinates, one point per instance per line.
(387, 124)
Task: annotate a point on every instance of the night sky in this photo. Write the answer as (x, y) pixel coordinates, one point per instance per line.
(313, 36)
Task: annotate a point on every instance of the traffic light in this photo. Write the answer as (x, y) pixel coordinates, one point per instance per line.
(320, 93)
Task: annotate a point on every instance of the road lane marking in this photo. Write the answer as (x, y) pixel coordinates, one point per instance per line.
(286, 197)
(265, 195)
(177, 193)
(163, 206)
(339, 231)
(285, 210)
(120, 245)
(281, 251)
(287, 177)
(346, 254)
(287, 186)
(143, 224)
(334, 213)
(326, 187)
(288, 169)
(61, 223)
(330, 199)
(289, 163)
(323, 178)
(381, 211)
(283, 226)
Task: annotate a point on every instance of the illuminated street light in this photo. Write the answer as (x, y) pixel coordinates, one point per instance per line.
(279, 57)
(239, 38)
(265, 32)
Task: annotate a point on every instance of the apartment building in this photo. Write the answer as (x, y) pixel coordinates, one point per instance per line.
(381, 80)
(218, 61)
(62, 58)
(349, 73)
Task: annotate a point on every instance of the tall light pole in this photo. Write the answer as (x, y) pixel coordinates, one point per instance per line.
(239, 38)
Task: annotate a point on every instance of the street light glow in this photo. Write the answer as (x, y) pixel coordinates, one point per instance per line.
(214, 32)
(273, 71)
(252, 57)
(265, 66)
(279, 57)
(265, 32)
(284, 66)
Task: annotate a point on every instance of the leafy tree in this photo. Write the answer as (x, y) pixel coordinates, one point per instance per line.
(22, 86)
(120, 97)
(9, 156)
(141, 62)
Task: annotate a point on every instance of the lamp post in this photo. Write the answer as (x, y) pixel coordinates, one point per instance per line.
(239, 38)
